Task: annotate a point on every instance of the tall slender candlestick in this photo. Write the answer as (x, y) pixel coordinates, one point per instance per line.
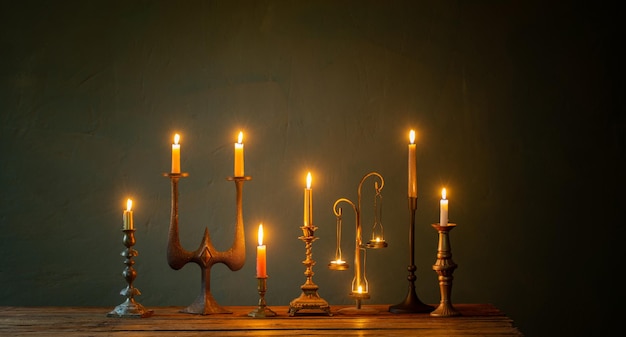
(239, 156)
(128, 216)
(308, 202)
(176, 154)
(261, 253)
(443, 209)
(412, 167)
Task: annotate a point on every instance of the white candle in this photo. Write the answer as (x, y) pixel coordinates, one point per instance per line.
(308, 202)
(128, 215)
(239, 156)
(412, 167)
(176, 155)
(443, 209)
(261, 253)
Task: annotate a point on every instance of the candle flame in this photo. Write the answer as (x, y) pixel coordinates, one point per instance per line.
(240, 138)
(443, 193)
(176, 139)
(360, 290)
(129, 204)
(412, 136)
(308, 180)
(261, 235)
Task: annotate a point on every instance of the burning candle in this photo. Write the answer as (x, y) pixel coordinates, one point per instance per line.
(176, 155)
(308, 202)
(261, 266)
(128, 215)
(239, 156)
(412, 167)
(443, 209)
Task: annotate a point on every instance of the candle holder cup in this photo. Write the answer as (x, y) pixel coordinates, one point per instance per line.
(206, 255)
(130, 308)
(262, 311)
(444, 267)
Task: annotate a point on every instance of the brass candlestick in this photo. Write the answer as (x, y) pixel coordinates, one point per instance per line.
(309, 299)
(360, 285)
(206, 255)
(262, 310)
(130, 308)
(444, 266)
(411, 303)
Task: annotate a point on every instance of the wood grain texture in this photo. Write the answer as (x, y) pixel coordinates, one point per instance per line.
(476, 320)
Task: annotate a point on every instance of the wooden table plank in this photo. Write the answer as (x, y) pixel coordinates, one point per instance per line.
(476, 320)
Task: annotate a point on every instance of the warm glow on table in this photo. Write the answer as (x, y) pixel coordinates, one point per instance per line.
(239, 172)
(261, 253)
(128, 215)
(443, 209)
(412, 166)
(176, 154)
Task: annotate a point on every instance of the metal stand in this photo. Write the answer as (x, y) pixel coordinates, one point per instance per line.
(262, 311)
(444, 266)
(309, 298)
(130, 308)
(206, 255)
(411, 303)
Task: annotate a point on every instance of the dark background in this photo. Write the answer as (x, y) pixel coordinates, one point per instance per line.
(517, 106)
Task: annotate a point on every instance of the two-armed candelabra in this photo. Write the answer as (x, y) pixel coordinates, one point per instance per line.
(360, 285)
(206, 255)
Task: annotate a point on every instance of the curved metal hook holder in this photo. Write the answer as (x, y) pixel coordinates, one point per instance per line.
(206, 255)
(360, 286)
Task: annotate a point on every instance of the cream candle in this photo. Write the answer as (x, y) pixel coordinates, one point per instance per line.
(261, 253)
(443, 209)
(128, 216)
(308, 202)
(412, 166)
(239, 156)
(176, 154)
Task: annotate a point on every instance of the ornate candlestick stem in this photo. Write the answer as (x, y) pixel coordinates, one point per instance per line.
(444, 266)
(262, 310)
(130, 308)
(411, 303)
(206, 255)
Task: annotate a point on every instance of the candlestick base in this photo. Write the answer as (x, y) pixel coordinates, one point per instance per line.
(444, 266)
(130, 309)
(358, 309)
(262, 311)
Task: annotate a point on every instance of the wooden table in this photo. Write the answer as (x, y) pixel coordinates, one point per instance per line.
(476, 320)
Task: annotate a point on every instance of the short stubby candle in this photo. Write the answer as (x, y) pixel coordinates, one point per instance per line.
(412, 166)
(128, 216)
(176, 154)
(261, 253)
(308, 202)
(443, 209)
(239, 156)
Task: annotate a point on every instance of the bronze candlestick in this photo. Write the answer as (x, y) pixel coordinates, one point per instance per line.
(411, 303)
(262, 311)
(444, 266)
(309, 299)
(206, 255)
(130, 308)
(360, 285)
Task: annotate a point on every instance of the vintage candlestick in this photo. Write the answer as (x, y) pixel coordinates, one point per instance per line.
(444, 266)
(412, 303)
(309, 299)
(206, 255)
(130, 308)
(262, 310)
(360, 285)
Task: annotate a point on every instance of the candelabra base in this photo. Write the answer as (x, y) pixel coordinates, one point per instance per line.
(309, 302)
(262, 312)
(411, 304)
(130, 309)
(358, 309)
(445, 310)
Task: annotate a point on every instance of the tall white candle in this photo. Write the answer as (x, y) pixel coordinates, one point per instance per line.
(261, 255)
(239, 156)
(412, 166)
(128, 215)
(308, 202)
(176, 154)
(443, 209)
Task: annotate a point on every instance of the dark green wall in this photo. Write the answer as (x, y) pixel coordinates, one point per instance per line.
(517, 106)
